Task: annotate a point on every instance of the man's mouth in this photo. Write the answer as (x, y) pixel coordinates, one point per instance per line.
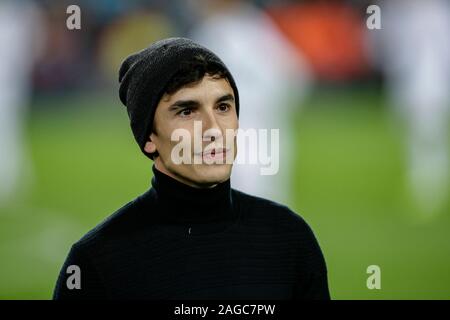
(214, 154)
(215, 151)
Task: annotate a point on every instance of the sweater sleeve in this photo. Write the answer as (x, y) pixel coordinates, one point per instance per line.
(315, 288)
(313, 280)
(79, 267)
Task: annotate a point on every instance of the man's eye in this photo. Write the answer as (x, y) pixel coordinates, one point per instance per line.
(223, 107)
(185, 112)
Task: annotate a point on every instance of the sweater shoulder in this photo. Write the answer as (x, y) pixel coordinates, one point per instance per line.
(120, 223)
(263, 216)
(258, 209)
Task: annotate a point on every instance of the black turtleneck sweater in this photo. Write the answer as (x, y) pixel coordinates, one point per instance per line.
(179, 242)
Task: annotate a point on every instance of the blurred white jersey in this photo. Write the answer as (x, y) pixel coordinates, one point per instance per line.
(415, 56)
(19, 25)
(269, 73)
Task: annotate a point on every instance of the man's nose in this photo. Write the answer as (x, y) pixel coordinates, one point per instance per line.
(211, 127)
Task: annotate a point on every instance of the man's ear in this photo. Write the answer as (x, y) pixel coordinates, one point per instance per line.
(150, 146)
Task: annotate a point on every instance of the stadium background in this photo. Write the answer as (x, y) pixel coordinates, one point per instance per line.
(349, 152)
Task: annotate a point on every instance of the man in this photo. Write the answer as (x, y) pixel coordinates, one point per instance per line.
(191, 236)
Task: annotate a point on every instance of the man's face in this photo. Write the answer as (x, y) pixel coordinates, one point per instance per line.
(210, 102)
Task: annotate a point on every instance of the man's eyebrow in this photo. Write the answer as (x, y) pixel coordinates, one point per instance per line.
(183, 104)
(227, 97)
(194, 103)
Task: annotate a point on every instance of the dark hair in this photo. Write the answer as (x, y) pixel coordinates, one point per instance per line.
(193, 71)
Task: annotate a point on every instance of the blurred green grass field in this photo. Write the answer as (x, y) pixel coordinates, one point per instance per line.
(349, 186)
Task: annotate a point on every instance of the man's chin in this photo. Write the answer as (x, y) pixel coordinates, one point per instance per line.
(212, 174)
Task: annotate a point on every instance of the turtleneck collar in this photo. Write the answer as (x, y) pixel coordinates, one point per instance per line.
(180, 203)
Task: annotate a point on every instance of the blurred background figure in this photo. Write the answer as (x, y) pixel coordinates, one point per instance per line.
(126, 33)
(21, 36)
(329, 34)
(414, 52)
(272, 78)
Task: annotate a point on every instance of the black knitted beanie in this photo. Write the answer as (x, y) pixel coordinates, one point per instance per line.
(144, 76)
